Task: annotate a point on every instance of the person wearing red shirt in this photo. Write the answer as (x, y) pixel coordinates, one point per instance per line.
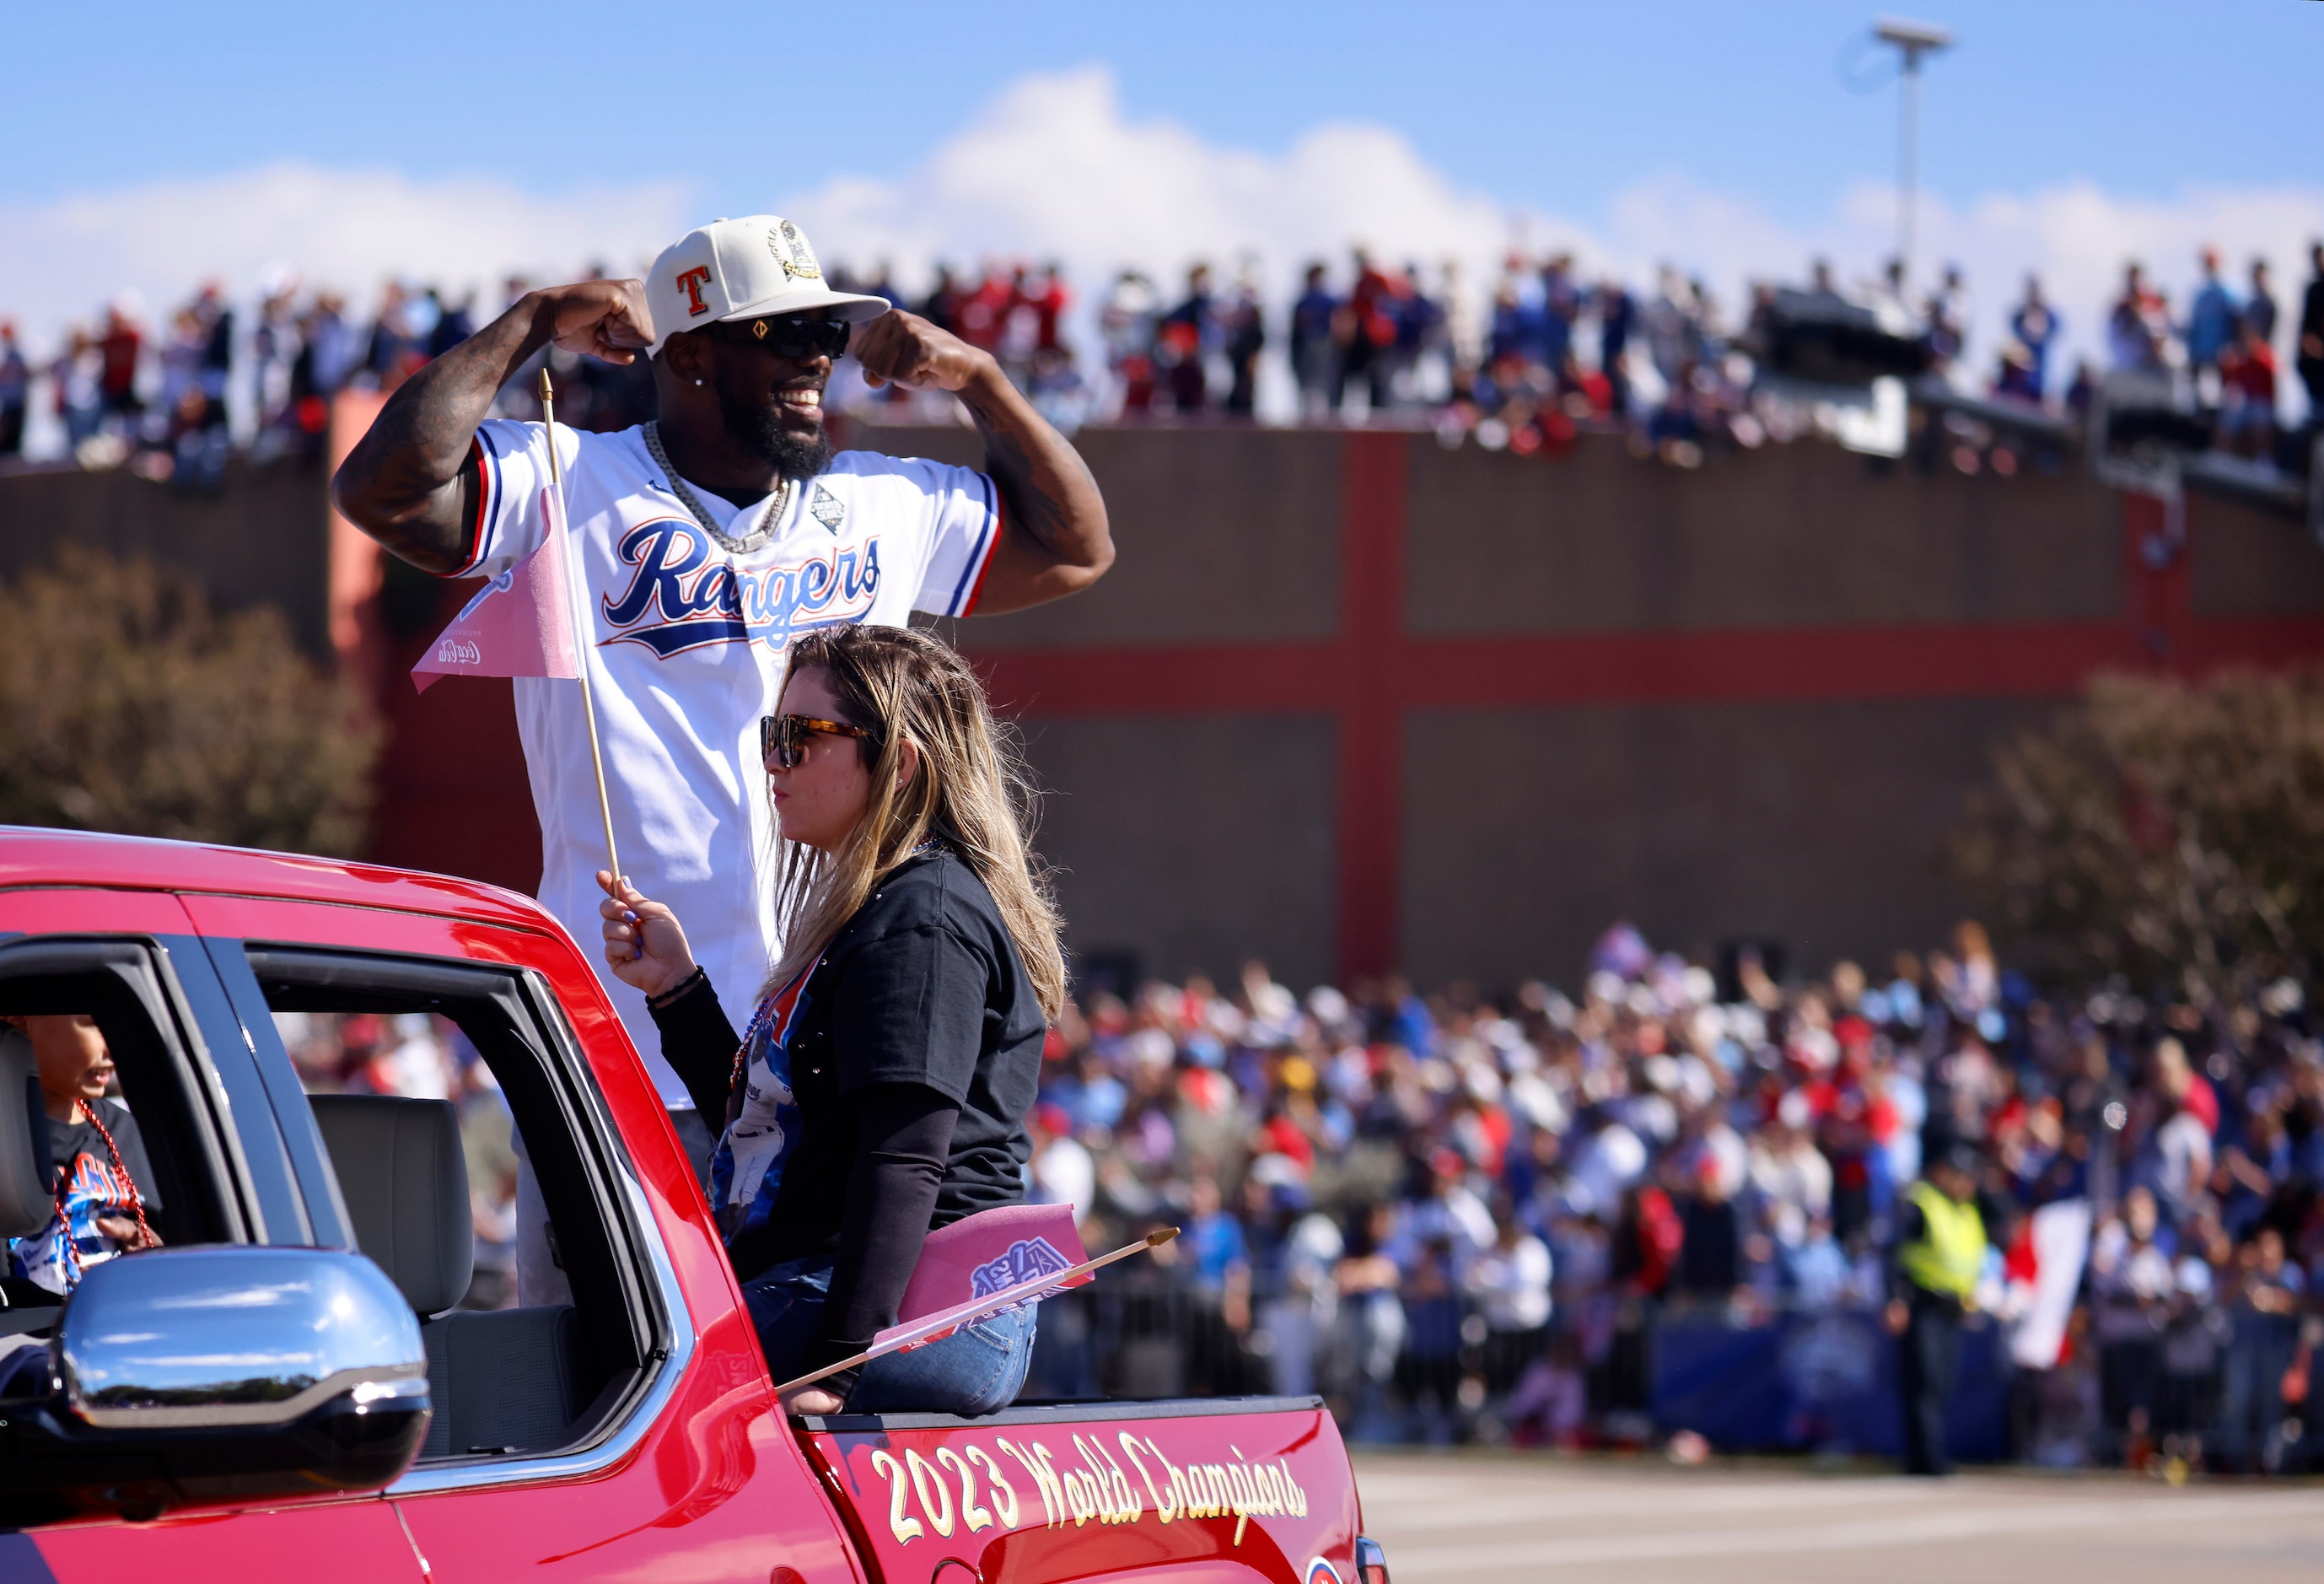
(1854, 1120)
(1368, 332)
(1049, 303)
(2248, 375)
(1280, 1134)
(119, 349)
(1648, 1238)
(984, 311)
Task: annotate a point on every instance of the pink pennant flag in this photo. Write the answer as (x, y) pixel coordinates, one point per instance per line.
(1005, 1250)
(519, 625)
(1027, 1257)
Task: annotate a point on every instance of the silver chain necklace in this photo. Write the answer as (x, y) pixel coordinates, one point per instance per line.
(768, 517)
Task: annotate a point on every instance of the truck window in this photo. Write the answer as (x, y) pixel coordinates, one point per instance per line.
(91, 1027)
(435, 1085)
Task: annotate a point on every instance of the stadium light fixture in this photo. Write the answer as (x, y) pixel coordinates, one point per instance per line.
(1912, 40)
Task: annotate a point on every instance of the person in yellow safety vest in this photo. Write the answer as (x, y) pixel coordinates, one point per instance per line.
(1933, 1268)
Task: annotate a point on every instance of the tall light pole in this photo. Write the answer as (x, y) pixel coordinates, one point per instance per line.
(1913, 40)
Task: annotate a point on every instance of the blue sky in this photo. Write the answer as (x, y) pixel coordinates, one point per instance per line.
(1558, 107)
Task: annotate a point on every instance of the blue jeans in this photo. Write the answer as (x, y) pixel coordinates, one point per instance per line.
(978, 1369)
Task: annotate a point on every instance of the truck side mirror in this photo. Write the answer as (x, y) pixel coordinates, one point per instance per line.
(216, 1373)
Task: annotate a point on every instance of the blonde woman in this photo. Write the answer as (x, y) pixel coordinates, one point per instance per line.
(885, 1080)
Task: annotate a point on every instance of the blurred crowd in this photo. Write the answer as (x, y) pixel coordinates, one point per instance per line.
(1461, 1216)
(172, 404)
(1465, 1216)
(1525, 362)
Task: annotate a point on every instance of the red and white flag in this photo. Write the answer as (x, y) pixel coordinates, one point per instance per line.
(2044, 1271)
(519, 625)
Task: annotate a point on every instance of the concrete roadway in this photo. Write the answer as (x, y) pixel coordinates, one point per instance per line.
(1484, 1518)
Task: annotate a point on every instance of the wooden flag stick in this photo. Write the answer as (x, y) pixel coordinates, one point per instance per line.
(582, 632)
(976, 1309)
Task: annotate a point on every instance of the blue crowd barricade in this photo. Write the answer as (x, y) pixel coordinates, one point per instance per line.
(1816, 1383)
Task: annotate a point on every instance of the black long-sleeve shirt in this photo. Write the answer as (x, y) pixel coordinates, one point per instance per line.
(902, 1137)
(915, 1059)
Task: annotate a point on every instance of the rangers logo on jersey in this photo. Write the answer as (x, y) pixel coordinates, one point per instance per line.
(681, 597)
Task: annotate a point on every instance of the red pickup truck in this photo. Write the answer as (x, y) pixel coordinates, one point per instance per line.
(257, 1400)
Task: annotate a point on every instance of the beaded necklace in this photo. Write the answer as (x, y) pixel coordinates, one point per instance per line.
(72, 1263)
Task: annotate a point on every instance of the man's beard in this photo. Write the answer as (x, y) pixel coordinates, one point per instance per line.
(756, 424)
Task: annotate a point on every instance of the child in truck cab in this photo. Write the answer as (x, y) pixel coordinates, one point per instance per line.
(904, 1021)
(102, 1182)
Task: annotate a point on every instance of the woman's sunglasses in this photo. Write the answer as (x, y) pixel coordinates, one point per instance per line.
(783, 737)
(794, 335)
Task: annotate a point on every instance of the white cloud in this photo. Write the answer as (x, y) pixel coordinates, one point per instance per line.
(1054, 167)
(347, 230)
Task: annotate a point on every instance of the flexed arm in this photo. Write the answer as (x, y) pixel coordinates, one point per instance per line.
(408, 483)
(1056, 541)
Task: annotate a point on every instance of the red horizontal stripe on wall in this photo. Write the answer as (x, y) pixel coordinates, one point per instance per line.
(1764, 666)
(1262, 678)
(2272, 640)
(1577, 670)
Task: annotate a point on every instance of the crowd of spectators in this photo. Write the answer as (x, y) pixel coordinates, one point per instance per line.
(1465, 1216)
(1549, 351)
(165, 404)
(1524, 363)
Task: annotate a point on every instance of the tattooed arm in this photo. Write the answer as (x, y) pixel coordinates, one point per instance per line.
(409, 482)
(1054, 539)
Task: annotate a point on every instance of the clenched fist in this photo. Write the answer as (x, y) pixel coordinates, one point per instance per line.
(645, 945)
(605, 318)
(905, 349)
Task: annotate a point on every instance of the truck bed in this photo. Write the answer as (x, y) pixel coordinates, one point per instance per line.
(1215, 1488)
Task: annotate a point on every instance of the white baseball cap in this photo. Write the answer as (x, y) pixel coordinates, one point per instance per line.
(750, 268)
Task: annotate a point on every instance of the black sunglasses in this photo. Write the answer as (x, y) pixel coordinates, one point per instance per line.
(794, 335)
(783, 737)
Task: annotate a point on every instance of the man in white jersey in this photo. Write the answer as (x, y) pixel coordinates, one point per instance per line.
(703, 541)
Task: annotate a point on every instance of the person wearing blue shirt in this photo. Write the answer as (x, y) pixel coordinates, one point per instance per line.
(1559, 305)
(1214, 1239)
(2213, 317)
(1512, 332)
(1419, 323)
(1312, 352)
(1616, 313)
(2035, 324)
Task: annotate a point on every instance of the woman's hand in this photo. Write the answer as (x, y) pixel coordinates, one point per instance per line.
(645, 944)
(814, 1400)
